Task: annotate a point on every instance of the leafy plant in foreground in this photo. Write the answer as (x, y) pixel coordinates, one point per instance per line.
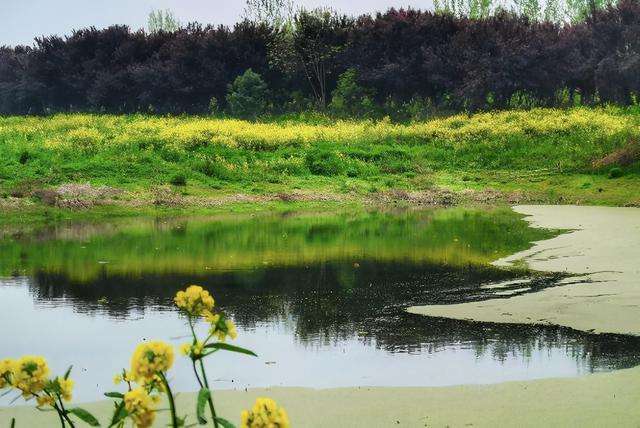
(196, 303)
(147, 377)
(30, 376)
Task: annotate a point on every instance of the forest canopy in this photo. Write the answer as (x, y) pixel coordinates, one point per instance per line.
(402, 63)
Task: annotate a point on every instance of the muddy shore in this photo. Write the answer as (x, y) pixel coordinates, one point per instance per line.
(602, 249)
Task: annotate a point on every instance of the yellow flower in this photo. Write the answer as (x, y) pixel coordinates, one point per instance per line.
(66, 386)
(117, 379)
(6, 372)
(231, 329)
(30, 375)
(192, 350)
(221, 327)
(197, 349)
(211, 318)
(150, 359)
(194, 301)
(45, 400)
(141, 407)
(185, 349)
(265, 414)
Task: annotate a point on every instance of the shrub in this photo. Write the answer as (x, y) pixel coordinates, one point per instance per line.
(85, 138)
(247, 96)
(324, 162)
(24, 157)
(615, 172)
(418, 109)
(350, 99)
(216, 169)
(299, 102)
(523, 100)
(178, 180)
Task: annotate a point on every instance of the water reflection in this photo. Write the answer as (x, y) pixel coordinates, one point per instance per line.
(320, 297)
(328, 303)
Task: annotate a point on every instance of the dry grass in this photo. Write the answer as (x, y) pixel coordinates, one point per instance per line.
(624, 156)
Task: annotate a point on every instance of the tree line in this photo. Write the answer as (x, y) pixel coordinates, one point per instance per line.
(401, 63)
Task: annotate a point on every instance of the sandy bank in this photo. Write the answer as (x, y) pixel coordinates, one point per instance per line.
(591, 401)
(605, 244)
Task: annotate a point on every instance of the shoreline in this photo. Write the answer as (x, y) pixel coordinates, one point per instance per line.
(601, 249)
(141, 203)
(588, 401)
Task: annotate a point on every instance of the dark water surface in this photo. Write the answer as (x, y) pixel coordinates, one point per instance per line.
(319, 296)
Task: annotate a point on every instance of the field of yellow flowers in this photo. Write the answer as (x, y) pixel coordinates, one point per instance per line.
(199, 155)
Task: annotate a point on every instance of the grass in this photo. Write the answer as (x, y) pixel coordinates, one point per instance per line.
(546, 154)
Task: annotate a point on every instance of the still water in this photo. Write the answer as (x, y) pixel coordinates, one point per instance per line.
(320, 297)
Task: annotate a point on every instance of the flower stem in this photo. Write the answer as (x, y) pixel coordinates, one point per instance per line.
(211, 406)
(195, 371)
(60, 415)
(172, 404)
(64, 413)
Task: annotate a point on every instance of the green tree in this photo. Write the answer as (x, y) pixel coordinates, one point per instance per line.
(553, 11)
(247, 95)
(480, 8)
(162, 20)
(277, 13)
(581, 10)
(310, 44)
(532, 9)
(350, 99)
(465, 8)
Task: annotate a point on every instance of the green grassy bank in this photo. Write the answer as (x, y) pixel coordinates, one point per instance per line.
(136, 162)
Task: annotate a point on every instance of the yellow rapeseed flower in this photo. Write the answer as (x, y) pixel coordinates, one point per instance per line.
(194, 301)
(45, 401)
(231, 329)
(117, 378)
(141, 407)
(192, 350)
(185, 349)
(150, 359)
(264, 414)
(6, 372)
(66, 386)
(30, 375)
(221, 327)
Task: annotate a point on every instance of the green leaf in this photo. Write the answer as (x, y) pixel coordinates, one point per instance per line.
(114, 394)
(203, 397)
(119, 414)
(225, 423)
(182, 421)
(66, 375)
(226, 347)
(13, 422)
(85, 416)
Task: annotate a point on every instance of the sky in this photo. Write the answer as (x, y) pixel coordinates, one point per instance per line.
(23, 20)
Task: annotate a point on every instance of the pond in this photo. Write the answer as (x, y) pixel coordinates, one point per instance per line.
(320, 297)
